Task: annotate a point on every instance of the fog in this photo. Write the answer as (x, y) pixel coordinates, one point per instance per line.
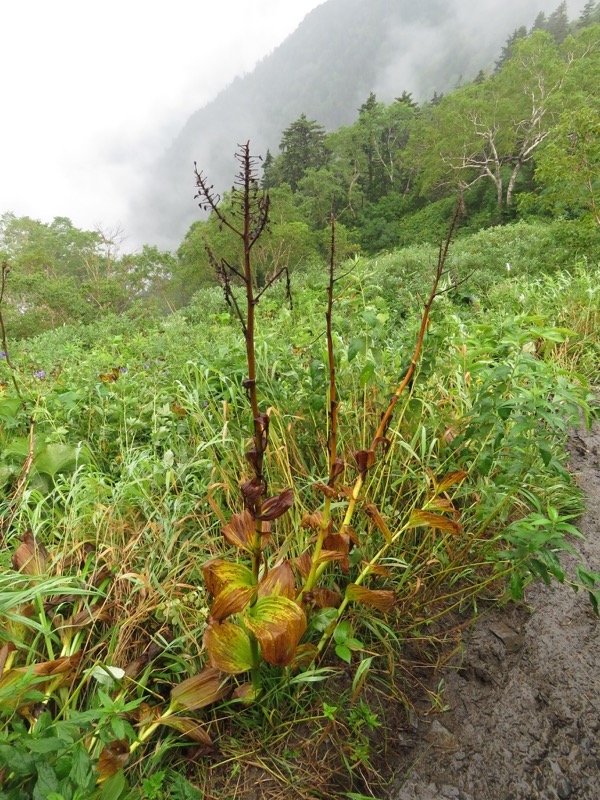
(475, 27)
(93, 92)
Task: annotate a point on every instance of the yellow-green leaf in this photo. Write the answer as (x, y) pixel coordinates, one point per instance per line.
(219, 573)
(246, 693)
(228, 647)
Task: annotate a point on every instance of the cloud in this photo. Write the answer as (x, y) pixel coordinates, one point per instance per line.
(476, 27)
(94, 91)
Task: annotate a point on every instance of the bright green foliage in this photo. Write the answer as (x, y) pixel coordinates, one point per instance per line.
(61, 274)
(288, 242)
(568, 166)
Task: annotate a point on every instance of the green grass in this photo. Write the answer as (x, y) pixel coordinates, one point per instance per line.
(132, 469)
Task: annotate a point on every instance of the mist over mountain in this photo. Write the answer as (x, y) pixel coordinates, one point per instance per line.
(343, 50)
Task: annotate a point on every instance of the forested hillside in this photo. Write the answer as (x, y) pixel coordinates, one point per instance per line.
(520, 141)
(341, 52)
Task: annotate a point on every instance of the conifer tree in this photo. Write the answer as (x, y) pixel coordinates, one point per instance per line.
(590, 14)
(302, 148)
(558, 23)
(507, 50)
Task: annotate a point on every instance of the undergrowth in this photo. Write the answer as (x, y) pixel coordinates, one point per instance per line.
(123, 453)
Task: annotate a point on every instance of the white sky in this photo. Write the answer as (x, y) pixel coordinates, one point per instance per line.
(92, 91)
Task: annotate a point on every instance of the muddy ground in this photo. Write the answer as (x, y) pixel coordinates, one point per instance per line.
(524, 700)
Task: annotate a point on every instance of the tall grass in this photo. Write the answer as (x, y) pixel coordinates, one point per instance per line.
(127, 529)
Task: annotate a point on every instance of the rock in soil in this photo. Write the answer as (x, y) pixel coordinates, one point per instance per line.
(524, 719)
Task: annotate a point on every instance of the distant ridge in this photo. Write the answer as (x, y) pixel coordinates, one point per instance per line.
(342, 50)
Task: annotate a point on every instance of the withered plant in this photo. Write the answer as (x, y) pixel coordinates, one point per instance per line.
(262, 601)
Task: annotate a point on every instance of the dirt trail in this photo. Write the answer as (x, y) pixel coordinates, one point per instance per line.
(524, 719)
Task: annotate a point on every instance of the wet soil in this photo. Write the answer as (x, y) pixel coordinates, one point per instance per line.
(523, 718)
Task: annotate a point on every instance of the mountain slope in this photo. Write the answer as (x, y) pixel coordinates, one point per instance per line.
(340, 52)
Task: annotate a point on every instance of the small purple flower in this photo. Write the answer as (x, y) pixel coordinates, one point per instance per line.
(3, 354)
(40, 374)
(123, 370)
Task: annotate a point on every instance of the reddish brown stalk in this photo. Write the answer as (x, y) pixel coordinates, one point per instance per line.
(253, 208)
(443, 254)
(367, 458)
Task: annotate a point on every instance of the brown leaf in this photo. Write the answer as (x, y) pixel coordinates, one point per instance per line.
(279, 580)
(133, 669)
(449, 480)
(450, 435)
(252, 457)
(30, 558)
(262, 423)
(312, 521)
(328, 491)
(381, 599)
(325, 556)
(304, 656)
(113, 758)
(252, 490)
(275, 507)
(200, 690)
(189, 726)
(101, 575)
(338, 543)
(377, 569)
(348, 531)
(375, 516)
(59, 666)
(110, 377)
(337, 469)
(427, 519)
(240, 530)
(364, 460)
(178, 410)
(303, 563)
(98, 612)
(382, 441)
(326, 598)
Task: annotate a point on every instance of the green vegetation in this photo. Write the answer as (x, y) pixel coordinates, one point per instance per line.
(230, 533)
